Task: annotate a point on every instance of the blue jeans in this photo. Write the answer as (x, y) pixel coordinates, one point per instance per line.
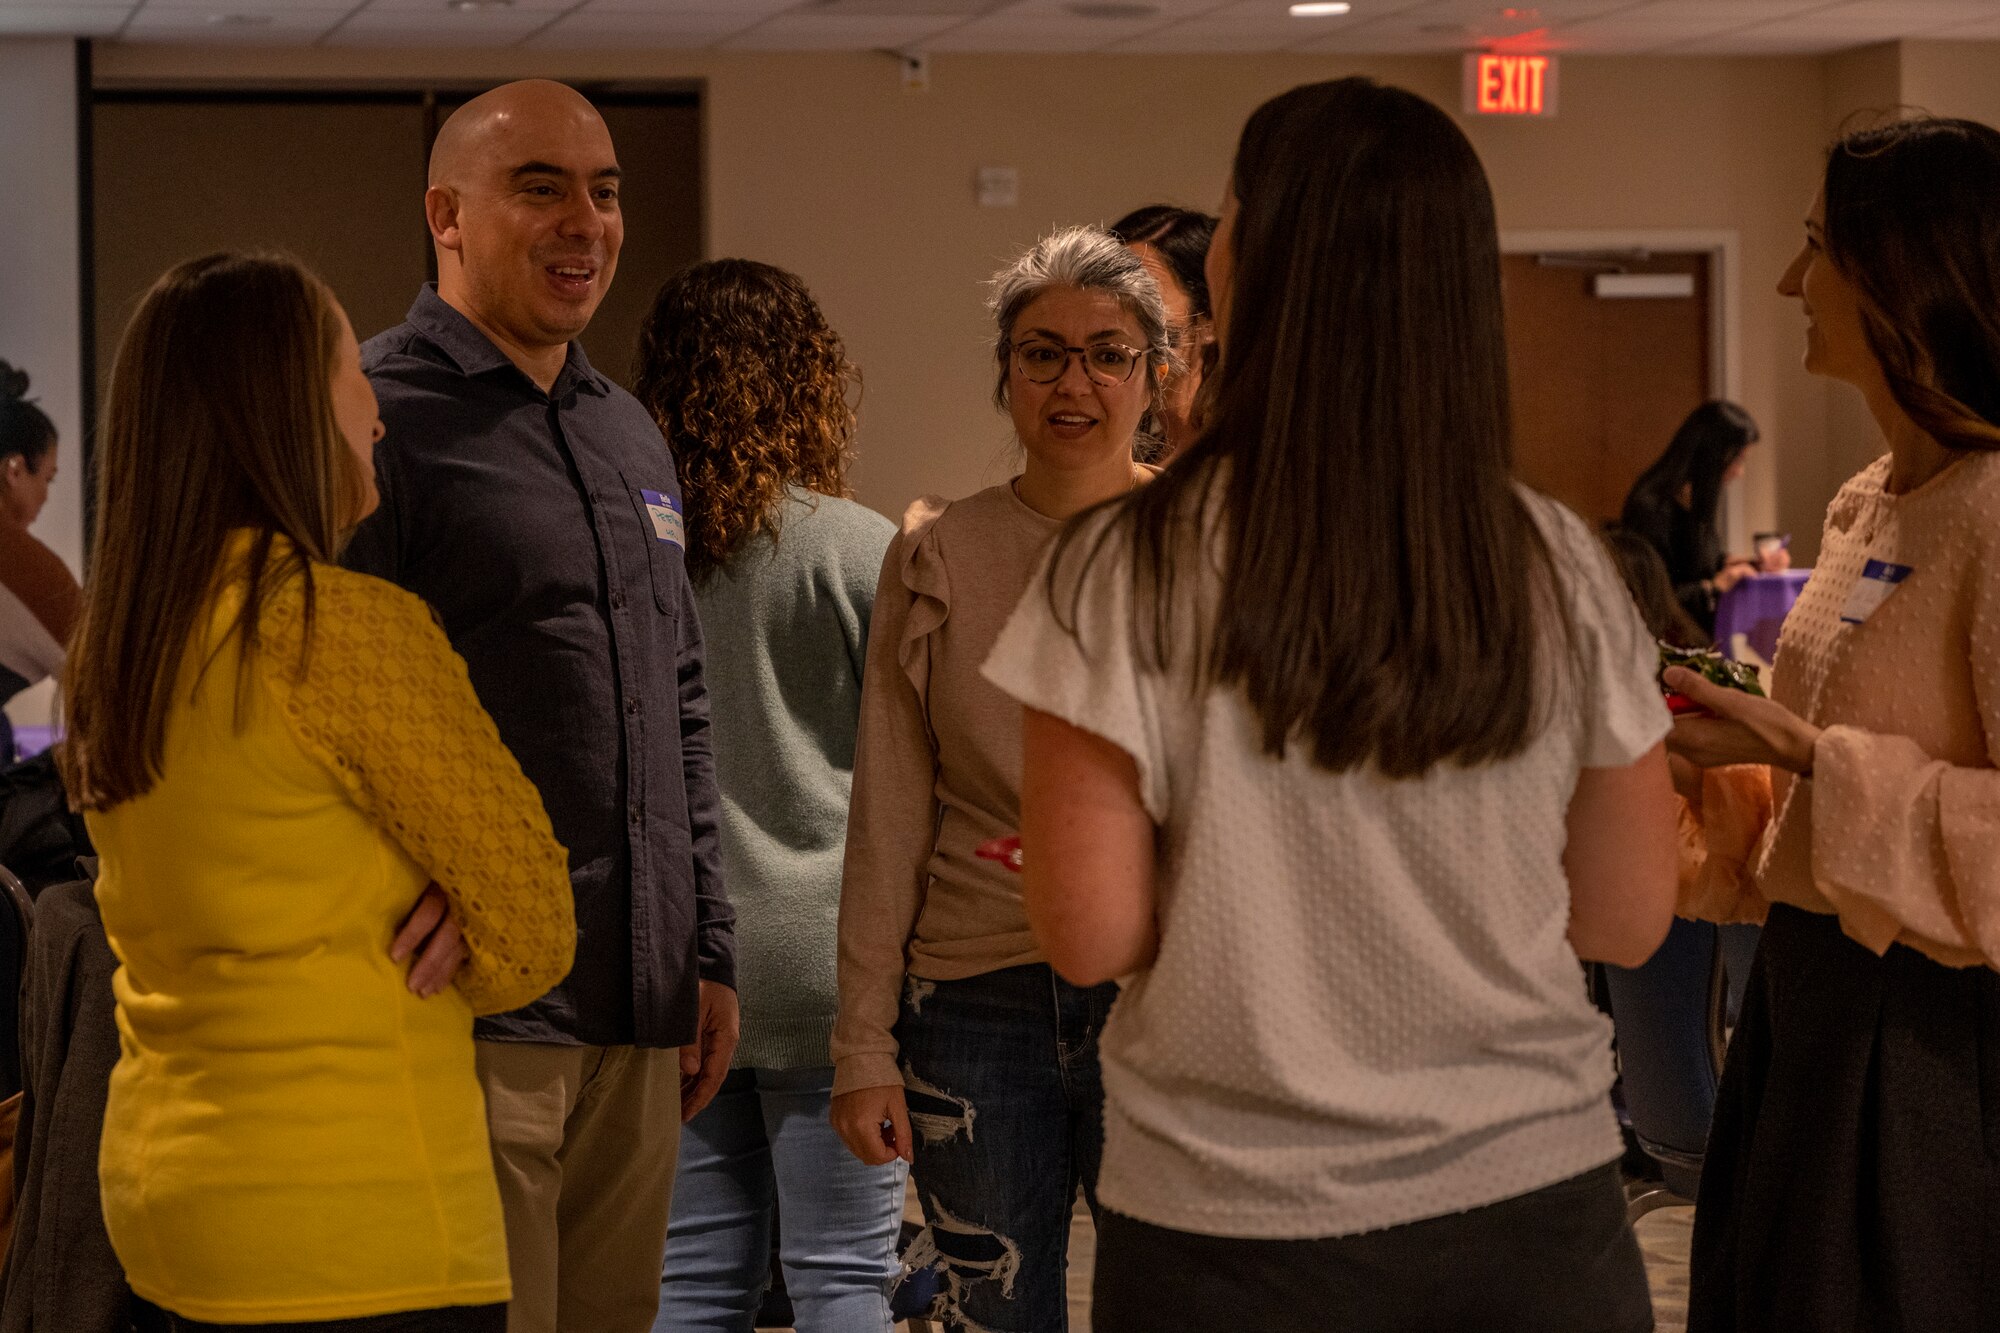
(762, 1152)
(1008, 1112)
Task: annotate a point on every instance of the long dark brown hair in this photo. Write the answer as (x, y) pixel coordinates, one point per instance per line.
(753, 391)
(1913, 221)
(1709, 441)
(1645, 576)
(219, 417)
(1385, 593)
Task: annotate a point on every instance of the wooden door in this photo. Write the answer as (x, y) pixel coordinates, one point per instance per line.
(1600, 383)
(337, 178)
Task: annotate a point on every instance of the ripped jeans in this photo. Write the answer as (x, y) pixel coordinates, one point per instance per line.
(1001, 1076)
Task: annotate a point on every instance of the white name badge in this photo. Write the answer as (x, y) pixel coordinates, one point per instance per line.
(1878, 579)
(665, 511)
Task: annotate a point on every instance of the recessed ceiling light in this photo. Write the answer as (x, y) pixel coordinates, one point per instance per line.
(1317, 10)
(238, 20)
(477, 6)
(1112, 9)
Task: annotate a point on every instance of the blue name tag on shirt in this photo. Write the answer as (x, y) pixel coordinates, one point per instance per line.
(1878, 579)
(665, 511)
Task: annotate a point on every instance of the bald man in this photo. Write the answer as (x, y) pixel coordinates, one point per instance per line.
(532, 502)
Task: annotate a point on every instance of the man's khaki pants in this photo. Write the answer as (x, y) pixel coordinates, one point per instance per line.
(584, 1143)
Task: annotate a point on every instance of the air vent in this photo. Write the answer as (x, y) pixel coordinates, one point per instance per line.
(901, 9)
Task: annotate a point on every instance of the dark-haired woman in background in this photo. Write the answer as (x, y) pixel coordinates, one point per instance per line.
(1676, 502)
(1342, 749)
(1852, 1181)
(751, 389)
(1173, 244)
(39, 597)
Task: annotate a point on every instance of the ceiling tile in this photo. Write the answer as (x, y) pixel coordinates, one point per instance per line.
(1181, 26)
(1914, 14)
(1158, 11)
(1035, 34)
(1742, 11)
(1383, 41)
(815, 32)
(1979, 30)
(441, 14)
(437, 27)
(703, 13)
(596, 27)
(196, 24)
(1204, 35)
(62, 21)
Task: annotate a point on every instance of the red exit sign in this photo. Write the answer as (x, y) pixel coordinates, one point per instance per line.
(1510, 85)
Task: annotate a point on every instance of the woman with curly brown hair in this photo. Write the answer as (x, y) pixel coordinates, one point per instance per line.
(751, 389)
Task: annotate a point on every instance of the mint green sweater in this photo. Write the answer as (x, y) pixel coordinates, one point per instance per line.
(786, 625)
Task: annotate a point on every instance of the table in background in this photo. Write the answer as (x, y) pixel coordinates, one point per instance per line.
(1749, 615)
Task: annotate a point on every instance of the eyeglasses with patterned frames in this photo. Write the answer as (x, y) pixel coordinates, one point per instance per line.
(1041, 361)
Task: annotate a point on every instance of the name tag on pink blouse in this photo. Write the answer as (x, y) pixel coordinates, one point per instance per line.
(1878, 579)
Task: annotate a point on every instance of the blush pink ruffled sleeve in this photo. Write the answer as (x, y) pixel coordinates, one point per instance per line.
(1898, 828)
(1908, 844)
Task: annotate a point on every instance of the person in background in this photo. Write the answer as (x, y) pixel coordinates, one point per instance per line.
(750, 388)
(275, 758)
(1676, 502)
(1645, 576)
(531, 502)
(1851, 1181)
(1342, 749)
(1173, 244)
(956, 1045)
(39, 597)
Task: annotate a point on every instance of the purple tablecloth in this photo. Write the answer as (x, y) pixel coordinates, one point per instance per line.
(1749, 615)
(31, 741)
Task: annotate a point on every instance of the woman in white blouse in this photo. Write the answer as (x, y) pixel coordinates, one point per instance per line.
(1343, 749)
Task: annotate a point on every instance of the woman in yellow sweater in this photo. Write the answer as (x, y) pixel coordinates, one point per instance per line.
(276, 757)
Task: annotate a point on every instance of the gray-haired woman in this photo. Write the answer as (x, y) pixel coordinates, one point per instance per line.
(950, 1018)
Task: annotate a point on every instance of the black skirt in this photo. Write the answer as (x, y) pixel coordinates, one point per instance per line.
(1851, 1183)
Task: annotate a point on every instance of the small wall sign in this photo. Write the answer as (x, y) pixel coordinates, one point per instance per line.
(1509, 85)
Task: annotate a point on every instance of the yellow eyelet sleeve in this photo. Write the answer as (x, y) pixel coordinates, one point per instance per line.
(386, 704)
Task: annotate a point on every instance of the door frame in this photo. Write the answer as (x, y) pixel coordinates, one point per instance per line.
(1725, 314)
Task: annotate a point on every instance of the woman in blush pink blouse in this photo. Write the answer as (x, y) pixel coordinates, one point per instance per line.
(1852, 1182)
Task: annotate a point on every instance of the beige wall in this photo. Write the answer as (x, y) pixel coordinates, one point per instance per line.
(821, 163)
(40, 316)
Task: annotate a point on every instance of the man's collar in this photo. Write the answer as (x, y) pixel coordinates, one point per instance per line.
(474, 353)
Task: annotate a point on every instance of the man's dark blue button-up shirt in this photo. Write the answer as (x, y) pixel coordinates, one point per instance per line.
(544, 528)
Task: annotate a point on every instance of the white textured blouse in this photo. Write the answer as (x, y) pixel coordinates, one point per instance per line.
(1365, 1010)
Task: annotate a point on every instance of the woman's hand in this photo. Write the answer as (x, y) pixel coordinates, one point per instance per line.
(1743, 728)
(1732, 574)
(874, 1123)
(430, 933)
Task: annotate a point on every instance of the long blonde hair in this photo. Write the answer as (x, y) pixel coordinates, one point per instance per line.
(219, 417)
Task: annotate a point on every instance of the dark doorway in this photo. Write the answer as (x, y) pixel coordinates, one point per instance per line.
(337, 178)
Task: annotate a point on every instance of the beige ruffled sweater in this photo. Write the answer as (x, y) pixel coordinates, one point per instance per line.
(937, 771)
(1897, 831)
